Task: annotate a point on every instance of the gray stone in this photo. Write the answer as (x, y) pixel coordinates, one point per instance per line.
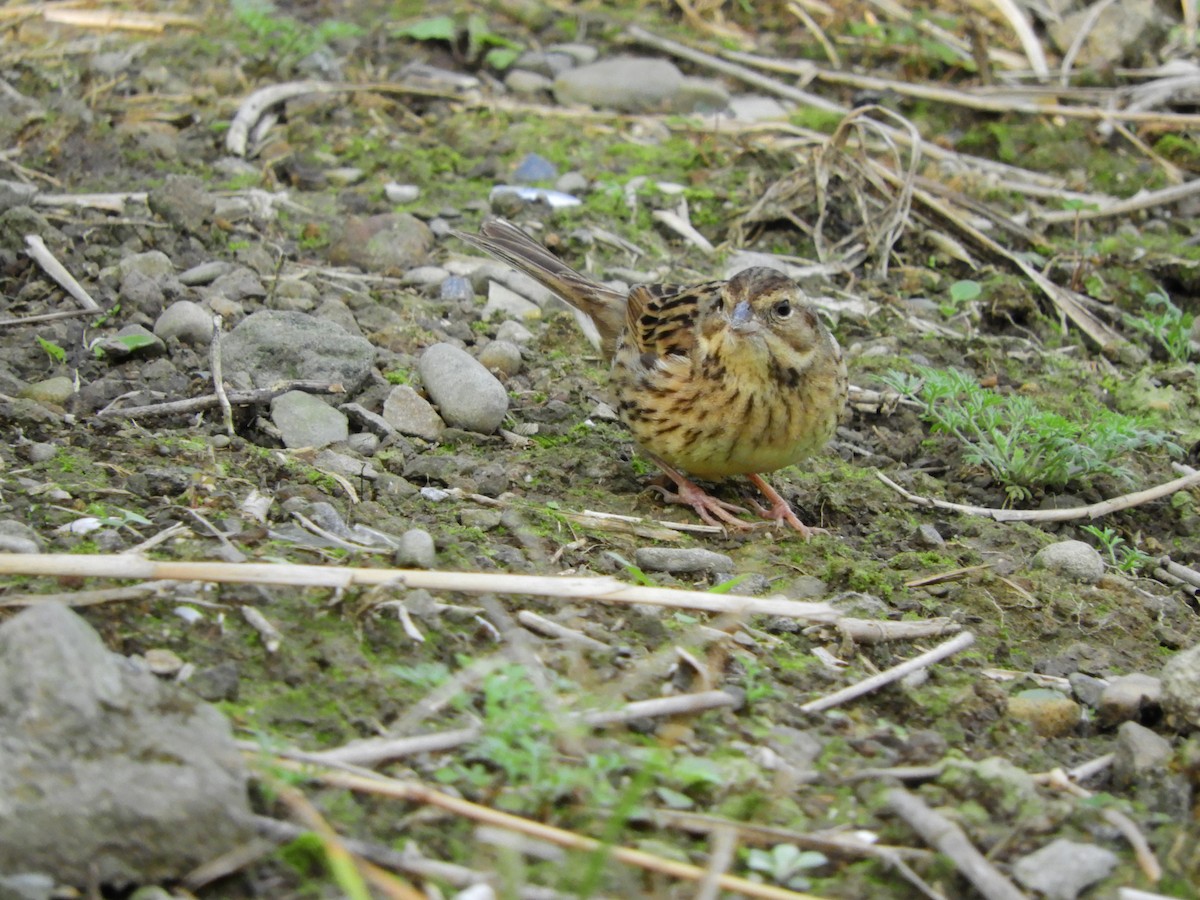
(401, 193)
(625, 83)
(1138, 753)
(572, 183)
(107, 775)
(1121, 32)
(502, 357)
(1062, 869)
(389, 243)
(1074, 559)
(16, 193)
(26, 886)
(1048, 712)
(467, 394)
(416, 550)
(928, 536)
(508, 303)
(363, 442)
(238, 284)
(304, 420)
(154, 264)
(42, 451)
(409, 413)
(189, 322)
(514, 333)
(1087, 688)
(204, 273)
(581, 54)
(682, 559)
(374, 422)
(184, 202)
(483, 519)
(533, 168)
(456, 289)
(756, 108)
(17, 537)
(56, 390)
(424, 276)
(354, 467)
(523, 81)
(273, 347)
(1129, 697)
(1181, 688)
(219, 682)
(700, 95)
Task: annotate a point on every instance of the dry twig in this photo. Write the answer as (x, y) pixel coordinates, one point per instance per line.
(938, 831)
(1091, 511)
(895, 673)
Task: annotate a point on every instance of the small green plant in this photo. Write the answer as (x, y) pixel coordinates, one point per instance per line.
(1024, 447)
(281, 39)
(1121, 556)
(56, 353)
(961, 293)
(1167, 324)
(785, 863)
(495, 49)
(518, 749)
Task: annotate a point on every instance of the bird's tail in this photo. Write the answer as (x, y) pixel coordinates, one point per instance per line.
(507, 242)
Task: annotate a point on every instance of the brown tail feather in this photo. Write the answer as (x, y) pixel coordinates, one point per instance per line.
(509, 243)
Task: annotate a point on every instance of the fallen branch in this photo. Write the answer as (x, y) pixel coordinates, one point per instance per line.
(1091, 511)
(939, 832)
(608, 590)
(895, 673)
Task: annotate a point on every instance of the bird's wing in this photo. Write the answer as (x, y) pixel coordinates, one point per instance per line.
(660, 320)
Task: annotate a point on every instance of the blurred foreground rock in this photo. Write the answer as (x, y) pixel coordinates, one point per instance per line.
(107, 775)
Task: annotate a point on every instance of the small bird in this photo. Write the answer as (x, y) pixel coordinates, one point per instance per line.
(724, 378)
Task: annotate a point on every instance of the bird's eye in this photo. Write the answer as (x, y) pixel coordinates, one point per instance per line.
(783, 309)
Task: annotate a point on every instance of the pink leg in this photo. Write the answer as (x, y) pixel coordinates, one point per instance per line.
(707, 507)
(780, 510)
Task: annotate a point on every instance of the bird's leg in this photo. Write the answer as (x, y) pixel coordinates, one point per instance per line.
(707, 507)
(781, 510)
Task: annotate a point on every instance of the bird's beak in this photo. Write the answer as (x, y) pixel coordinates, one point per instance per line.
(742, 318)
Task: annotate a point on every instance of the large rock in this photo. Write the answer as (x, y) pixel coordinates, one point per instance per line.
(272, 347)
(468, 395)
(106, 773)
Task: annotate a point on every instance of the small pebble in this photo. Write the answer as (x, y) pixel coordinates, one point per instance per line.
(483, 519)
(502, 357)
(1074, 559)
(189, 614)
(928, 536)
(513, 332)
(1138, 752)
(1129, 698)
(456, 288)
(163, 662)
(1048, 712)
(416, 550)
(401, 193)
(434, 495)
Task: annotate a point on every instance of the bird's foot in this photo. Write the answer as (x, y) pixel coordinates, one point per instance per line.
(709, 508)
(780, 511)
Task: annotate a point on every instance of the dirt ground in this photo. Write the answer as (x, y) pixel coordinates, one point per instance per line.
(144, 119)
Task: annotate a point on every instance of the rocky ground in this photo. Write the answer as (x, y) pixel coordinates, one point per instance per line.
(391, 399)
